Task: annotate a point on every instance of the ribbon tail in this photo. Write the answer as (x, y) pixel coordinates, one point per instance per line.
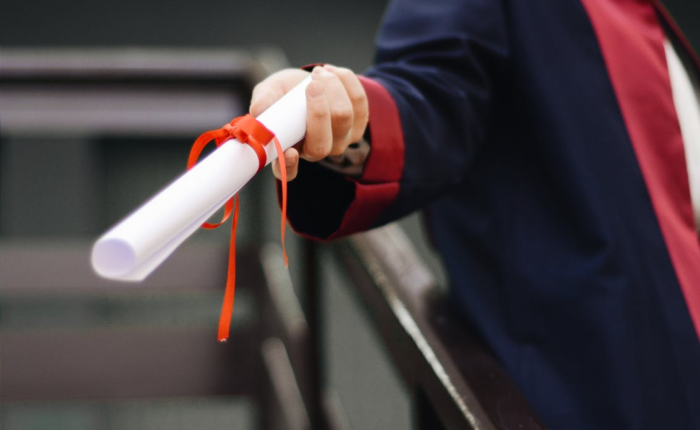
(218, 136)
(229, 294)
(249, 131)
(228, 208)
(283, 174)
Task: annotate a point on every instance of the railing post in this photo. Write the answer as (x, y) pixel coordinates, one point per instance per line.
(312, 303)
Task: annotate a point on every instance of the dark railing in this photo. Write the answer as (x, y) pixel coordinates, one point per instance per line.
(454, 381)
(274, 355)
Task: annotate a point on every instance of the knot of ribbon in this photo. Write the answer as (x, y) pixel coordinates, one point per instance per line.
(253, 133)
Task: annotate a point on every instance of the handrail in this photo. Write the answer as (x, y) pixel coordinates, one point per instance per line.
(432, 348)
(66, 64)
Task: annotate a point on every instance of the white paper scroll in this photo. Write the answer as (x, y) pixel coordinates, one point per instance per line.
(136, 246)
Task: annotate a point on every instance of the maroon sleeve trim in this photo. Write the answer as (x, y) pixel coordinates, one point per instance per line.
(325, 205)
(378, 186)
(386, 158)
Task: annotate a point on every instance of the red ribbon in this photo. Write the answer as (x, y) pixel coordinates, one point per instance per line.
(250, 131)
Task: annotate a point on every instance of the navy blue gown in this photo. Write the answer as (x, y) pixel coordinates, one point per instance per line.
(541, 140)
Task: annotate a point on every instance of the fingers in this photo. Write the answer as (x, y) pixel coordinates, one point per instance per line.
(358, 99)
(341, 112)
(291, 161)
(337, 111)
(273, 88)
(319, 132)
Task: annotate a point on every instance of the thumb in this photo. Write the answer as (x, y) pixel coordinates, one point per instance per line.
(291, 161)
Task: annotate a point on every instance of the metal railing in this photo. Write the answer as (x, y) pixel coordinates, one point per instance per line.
(455, 382)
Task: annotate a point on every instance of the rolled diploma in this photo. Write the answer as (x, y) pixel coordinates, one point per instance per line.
(136, 246)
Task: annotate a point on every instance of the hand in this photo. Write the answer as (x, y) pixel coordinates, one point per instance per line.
(337, 112)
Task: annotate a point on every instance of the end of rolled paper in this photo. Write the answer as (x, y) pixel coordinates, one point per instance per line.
(112, 258)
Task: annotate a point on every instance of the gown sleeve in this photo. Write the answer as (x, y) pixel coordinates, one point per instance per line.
(429, 94)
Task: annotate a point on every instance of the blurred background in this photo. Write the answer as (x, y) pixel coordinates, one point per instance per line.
(79, 151)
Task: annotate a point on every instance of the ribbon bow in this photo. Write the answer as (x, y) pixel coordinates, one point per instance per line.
(252, 132)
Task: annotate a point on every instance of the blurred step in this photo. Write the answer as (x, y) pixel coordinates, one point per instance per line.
(201, 413)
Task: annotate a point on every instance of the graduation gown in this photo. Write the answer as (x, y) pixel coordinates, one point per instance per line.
(541, 140)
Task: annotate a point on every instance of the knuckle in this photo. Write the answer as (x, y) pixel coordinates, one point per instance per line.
(357, 98)
(344, 71)
(318, 114)
(316, 152)
(347, 75)
(358, 134)
(342, 114)
(332, 80)
(321, 74)
(340, 145)
(339, 150)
